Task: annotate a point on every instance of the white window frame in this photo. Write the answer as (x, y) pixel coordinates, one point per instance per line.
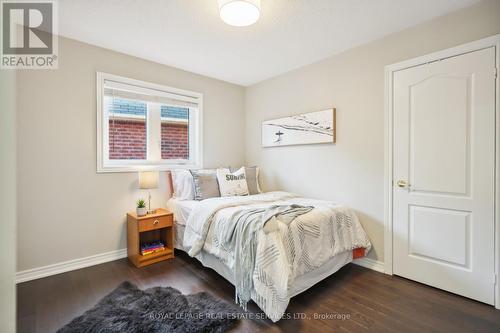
(104, 164)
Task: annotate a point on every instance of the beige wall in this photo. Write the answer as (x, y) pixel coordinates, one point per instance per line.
(7, 201)
(67, 210)
(350, 171)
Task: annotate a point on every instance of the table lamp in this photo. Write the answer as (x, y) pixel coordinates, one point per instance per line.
(147, 181)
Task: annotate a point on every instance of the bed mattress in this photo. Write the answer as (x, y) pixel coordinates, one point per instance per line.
(301, 283)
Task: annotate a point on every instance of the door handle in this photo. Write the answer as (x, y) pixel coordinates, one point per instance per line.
(403, 183)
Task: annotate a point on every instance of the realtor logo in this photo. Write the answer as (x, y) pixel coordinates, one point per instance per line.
(29, 39)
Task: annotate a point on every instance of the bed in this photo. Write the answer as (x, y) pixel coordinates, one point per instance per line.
(288, 257)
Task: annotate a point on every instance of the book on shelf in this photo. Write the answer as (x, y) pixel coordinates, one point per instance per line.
(149, 248)
(152, 251)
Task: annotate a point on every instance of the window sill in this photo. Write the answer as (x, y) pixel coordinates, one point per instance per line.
(130, 168)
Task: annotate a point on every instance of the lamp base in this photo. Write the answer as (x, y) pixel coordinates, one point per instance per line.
(150, 211)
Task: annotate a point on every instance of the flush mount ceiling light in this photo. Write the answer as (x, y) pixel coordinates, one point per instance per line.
(239, 13)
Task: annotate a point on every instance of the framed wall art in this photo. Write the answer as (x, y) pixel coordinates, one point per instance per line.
(302, 129)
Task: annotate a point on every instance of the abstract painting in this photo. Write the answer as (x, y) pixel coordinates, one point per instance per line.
(307, 128)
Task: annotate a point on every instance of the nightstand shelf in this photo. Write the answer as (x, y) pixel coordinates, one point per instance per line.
(147, 229)
(147, 258)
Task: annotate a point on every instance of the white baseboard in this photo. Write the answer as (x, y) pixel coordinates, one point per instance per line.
(66, 266)
(71, 265)
(370, 263)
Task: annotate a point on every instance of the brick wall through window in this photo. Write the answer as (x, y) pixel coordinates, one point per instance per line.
(174, 141)
(127, 140)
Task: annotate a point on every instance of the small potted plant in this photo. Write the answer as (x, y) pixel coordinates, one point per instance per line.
(141, 207)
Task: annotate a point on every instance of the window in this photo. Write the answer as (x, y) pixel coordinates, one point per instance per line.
(145, 125)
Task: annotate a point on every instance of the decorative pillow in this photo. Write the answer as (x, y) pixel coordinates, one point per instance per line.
(252, 176)
(182, 182)
(232, 183)
(205, 184)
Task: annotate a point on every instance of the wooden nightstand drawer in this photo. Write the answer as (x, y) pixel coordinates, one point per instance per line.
(155, 223)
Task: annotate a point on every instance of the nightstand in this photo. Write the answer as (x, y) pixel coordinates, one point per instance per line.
(147, 229)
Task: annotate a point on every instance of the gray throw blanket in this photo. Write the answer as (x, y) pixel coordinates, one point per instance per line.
(241, 235)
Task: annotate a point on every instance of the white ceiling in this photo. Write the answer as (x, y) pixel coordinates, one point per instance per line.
(189, 34)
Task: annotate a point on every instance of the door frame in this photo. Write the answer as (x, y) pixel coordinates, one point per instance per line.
(493, 41)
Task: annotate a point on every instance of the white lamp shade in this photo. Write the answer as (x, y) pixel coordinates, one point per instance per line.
(148, 179)
(239, 13)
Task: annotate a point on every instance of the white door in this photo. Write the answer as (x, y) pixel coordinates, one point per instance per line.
(444, 164)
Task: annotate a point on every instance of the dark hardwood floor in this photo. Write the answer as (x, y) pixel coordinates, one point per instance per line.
(368, 301)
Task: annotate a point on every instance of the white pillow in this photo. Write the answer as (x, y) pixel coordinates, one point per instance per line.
(232, 183)
(183, 184)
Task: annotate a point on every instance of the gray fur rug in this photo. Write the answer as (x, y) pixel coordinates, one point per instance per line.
(129, 309)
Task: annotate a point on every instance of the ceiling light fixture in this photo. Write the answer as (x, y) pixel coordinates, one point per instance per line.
(239, 13)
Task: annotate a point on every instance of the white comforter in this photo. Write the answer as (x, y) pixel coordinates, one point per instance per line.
(284, 251)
